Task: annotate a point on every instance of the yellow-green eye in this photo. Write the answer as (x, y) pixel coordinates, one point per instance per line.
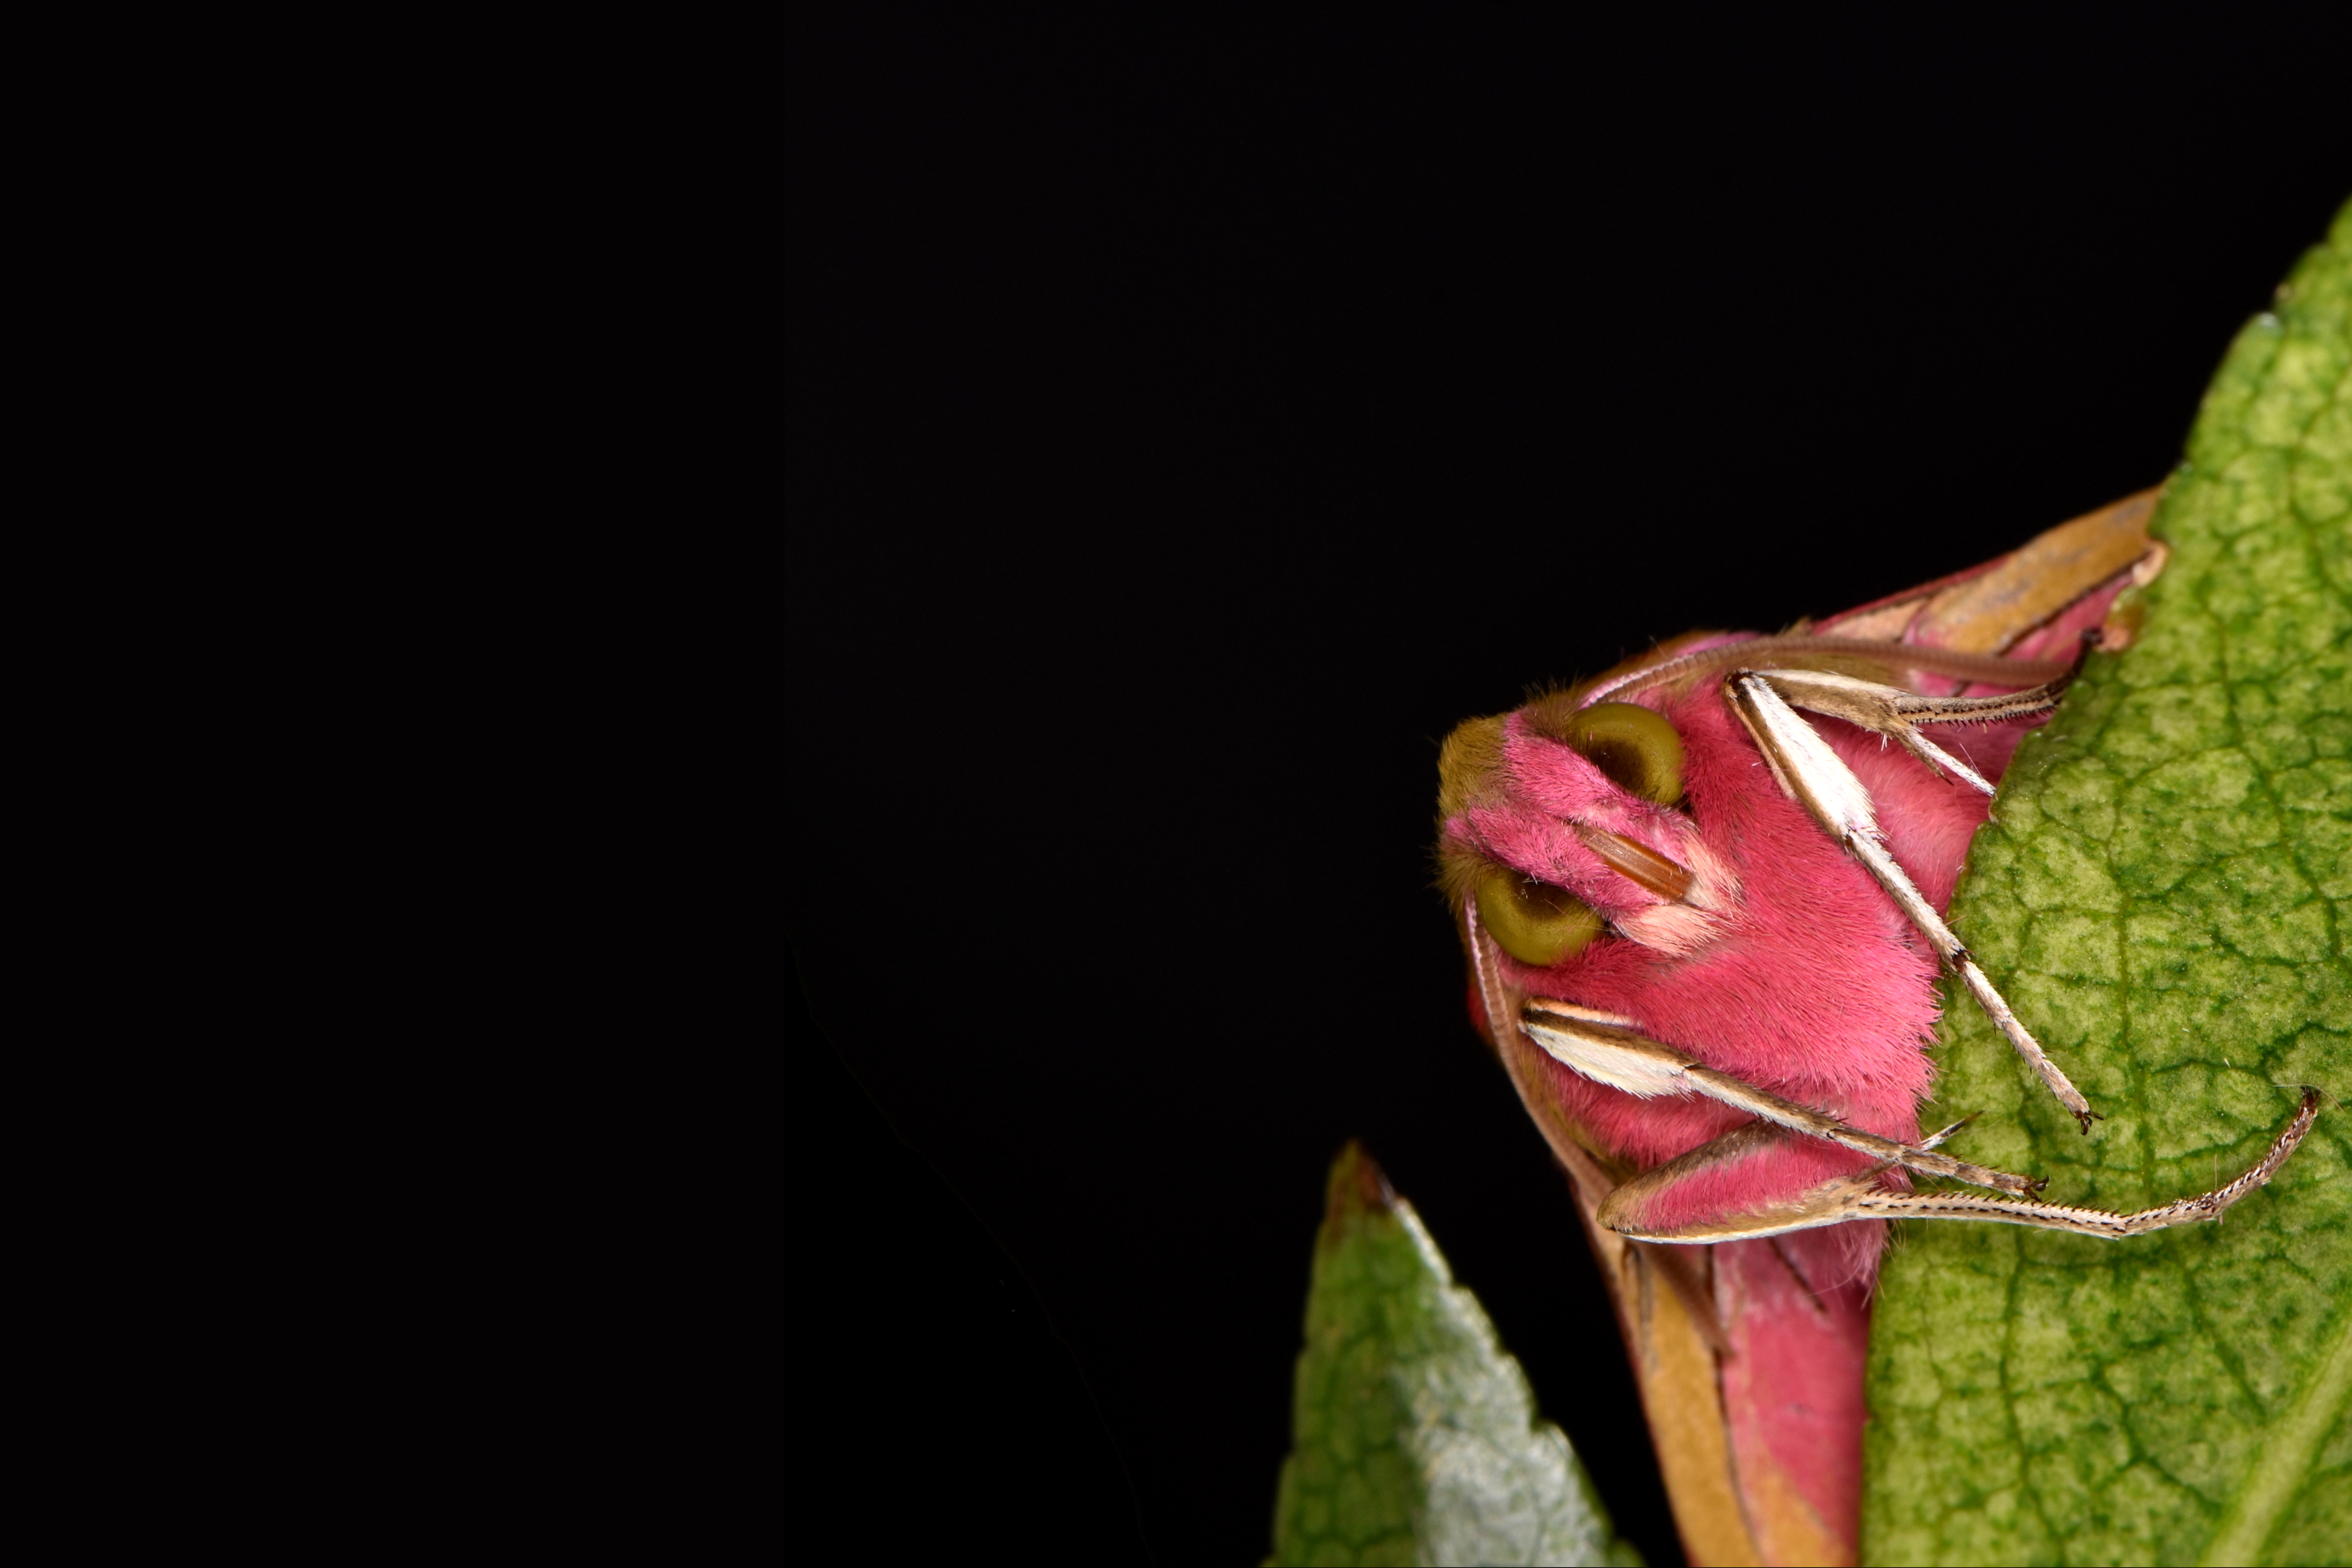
(1536, 922)
(1638, 749)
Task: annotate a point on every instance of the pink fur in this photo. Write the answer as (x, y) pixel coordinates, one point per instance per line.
(1553, 786)
(1790, 968)
(1813, 984)
(1813, 989)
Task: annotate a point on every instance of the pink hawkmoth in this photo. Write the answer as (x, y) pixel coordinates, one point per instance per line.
(1702, 900)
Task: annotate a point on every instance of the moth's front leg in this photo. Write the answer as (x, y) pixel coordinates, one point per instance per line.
(1816, 778)
(1895, 714)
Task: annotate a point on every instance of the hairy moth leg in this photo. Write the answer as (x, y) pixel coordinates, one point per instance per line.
(1859, 1198)
(1607, 1051)
(1813, 776)
(1633, 1207)
(1896, 714)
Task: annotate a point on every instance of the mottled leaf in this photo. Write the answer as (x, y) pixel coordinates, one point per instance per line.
(1414, 1437)
(2165, 896)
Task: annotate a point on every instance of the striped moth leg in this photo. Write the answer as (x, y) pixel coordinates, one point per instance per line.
(1667, 1204)
(1607, 1051)
(1816, 778)
(1708, 1195)
(1891, 713)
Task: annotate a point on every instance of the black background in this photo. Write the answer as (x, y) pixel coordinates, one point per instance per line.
(1184, 432)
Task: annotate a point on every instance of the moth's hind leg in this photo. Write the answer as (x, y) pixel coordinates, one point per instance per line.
(1646, 1207)
(1690, 1198)
(2095, 1222)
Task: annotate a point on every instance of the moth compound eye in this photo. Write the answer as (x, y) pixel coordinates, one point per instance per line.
(1536, 922)
(1639, 750)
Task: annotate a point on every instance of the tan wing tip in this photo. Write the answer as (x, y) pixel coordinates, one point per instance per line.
(1988, 612)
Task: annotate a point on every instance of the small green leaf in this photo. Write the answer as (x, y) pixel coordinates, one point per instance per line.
(2165, 898)
(1414, 1435)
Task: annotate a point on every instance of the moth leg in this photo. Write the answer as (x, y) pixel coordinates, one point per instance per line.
(1859, 1198)
(1629, 1210)
(1817, 779)
(1896, 714)
(1608, 1050)
(1624, 1208)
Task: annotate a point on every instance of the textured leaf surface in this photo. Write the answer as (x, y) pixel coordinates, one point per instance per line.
(2165, 896)
(1414, 1437)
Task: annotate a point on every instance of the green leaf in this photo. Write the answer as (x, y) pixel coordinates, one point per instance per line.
(1414, 1437)
(2165, 898)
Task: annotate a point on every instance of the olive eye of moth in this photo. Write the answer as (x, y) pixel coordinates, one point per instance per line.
(1533, 922)
(1639, 750)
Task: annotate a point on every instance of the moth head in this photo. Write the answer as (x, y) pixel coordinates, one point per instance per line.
(1559, 821)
